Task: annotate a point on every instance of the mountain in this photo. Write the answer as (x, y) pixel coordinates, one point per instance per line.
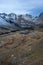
(26, 21)
(23, 47)
(19, 21)
(3, 15)
(4, 24)
(38, 20)
(8, 25)
(41, 16)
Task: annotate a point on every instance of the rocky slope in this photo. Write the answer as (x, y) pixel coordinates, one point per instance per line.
(21, 49)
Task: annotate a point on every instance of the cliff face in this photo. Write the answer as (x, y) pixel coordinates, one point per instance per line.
(21, 49)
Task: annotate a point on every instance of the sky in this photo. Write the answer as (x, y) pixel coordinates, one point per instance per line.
(34, 7)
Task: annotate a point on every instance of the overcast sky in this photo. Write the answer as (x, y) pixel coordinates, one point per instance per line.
(33, 7)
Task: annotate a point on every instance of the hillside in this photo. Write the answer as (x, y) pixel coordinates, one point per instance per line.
(21, 49)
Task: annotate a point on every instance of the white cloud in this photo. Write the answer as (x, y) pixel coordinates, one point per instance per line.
(20, 6)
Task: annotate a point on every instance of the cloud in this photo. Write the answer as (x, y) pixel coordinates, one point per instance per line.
(21, 6)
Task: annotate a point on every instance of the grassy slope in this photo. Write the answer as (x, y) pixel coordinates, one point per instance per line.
(20, 49)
